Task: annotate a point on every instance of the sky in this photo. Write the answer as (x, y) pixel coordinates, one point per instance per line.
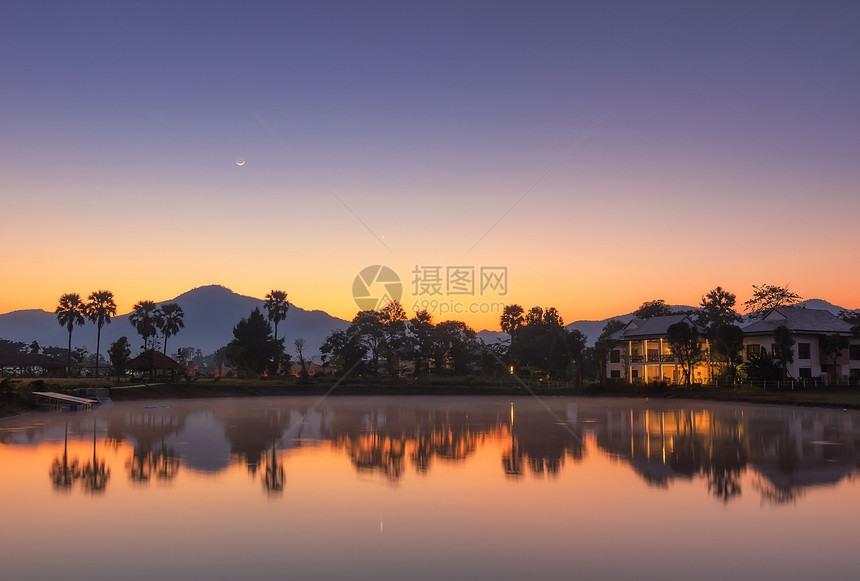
(601, 153)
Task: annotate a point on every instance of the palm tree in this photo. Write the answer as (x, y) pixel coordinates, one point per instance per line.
(276, 307)
(143, 318)
(170, 321)
(512, 319)
(70, 312)
(100, 308)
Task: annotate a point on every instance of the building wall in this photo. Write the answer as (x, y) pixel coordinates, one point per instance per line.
(644, 362)
(815, 360)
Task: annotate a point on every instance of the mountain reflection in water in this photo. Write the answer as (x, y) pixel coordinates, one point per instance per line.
(787, 450)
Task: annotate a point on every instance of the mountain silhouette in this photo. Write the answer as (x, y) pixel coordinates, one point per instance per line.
(211, 312)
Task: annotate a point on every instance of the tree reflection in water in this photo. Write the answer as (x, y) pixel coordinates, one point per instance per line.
(95, 474)
(163, 462)
(65, 472)
(273, 475)
(776, 452)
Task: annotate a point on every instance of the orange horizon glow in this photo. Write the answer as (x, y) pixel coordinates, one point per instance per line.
(582, 304)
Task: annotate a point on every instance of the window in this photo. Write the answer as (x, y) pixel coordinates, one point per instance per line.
(635, 374)
(803, 350)
(753, 350)
(804, 372)
(615, 356)
(653, 355)
(615, 374)
(854, 352)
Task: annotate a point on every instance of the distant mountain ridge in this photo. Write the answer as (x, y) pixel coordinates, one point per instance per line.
(212, 311)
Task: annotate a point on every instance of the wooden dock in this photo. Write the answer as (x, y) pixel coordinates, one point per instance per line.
(61, 401)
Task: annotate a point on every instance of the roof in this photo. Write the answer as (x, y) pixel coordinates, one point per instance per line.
(799, 320)
(31, 360)
(654, 327)
(66, 398)
(151, 360)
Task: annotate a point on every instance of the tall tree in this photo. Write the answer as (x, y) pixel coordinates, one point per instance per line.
(457, 341)
(421, 332)
(833, 346)
(684, 343)
(767, 297)
(783, 354)
(576, 345)
(99, 309)
(605, 344)
(655, 308)
(118, 353)
(727, 343)
(717, 308)
(367, 326)
(300, 351)
(70, 312)
(512, 319)
(541, 343)
(170, 320)
(396, 338)
(254, 349)
(143, 318)
(276, 306)
(345, 348)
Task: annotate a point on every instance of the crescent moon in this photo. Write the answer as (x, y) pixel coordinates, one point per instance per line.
(240, 163)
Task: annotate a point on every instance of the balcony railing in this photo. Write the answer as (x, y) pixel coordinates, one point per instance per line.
(665, 358)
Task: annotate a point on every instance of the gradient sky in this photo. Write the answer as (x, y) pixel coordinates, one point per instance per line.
(656, 149)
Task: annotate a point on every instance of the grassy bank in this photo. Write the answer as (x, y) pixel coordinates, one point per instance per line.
(16, 394)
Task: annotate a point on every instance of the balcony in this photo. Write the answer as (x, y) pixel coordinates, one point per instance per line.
(653, 358)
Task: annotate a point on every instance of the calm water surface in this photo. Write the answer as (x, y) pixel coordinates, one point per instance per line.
(429, 488)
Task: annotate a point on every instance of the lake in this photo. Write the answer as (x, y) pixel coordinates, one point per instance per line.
(430, 488)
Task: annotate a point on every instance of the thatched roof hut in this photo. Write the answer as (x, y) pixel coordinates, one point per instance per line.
(151, 360)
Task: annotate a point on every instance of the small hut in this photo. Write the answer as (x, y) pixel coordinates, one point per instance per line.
(22, 362)
(153, 362)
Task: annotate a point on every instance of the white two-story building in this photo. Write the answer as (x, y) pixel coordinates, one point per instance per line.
(807, 327)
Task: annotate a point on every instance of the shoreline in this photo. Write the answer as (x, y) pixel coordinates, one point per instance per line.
(843, 397)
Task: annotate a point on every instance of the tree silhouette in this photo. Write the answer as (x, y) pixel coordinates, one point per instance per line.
(717, 308)
(100, 308)
(276, 306)
(143, 318)
(649, 309)
(512, 318)
(727, 343)
(605, 344)
(421, 333)
(576, 345)
(783, 354)
(119, 352)
(254, 349)
(767, 297)
(169, 321)
(70, 312)
(684, 344)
